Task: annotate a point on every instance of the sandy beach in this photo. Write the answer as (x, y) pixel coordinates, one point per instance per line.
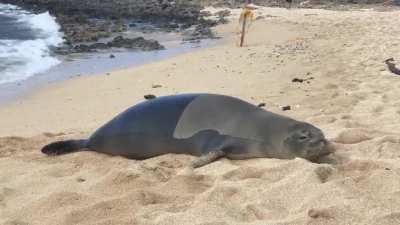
(347, 92)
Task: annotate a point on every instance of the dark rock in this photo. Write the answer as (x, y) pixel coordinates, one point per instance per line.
(172, 26)
(119, 42)
(112, 56)
(135, 43)
(262, 104)
(98, 46)
(201, 31)
(285, 108)
(298, 80)
(390, 63)
(149, 97)
(82, 48)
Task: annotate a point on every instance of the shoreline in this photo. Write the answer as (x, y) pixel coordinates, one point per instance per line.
(92, 64)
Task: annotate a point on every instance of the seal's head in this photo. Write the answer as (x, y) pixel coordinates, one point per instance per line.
(306, 141)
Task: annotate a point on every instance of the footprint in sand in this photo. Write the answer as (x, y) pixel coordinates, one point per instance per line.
(352, 136)
(392, 218)
(360, 169)
(324, 173)
(243, 173)
(100, 210)
(15, 222)
(150, 198)
(232, 202)
(11, 145)
(4, 194)
(214, 223)
(388, 147)
(246, 212)
(121, 177)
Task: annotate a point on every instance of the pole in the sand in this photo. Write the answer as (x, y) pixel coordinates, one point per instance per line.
(243, 32)
(245, 18)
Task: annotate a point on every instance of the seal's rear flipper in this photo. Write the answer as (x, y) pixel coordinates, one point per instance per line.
(64, 147)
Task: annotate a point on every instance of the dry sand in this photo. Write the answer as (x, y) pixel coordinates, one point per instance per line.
(350, 96)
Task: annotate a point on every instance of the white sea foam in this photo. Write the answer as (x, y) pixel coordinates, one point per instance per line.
(20, 59)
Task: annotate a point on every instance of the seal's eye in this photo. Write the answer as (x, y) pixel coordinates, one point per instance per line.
(303, 138)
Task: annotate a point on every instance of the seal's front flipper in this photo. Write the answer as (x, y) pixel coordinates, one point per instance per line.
(207, 158)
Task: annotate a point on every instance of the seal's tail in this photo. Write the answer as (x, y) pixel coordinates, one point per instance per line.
(64, 147)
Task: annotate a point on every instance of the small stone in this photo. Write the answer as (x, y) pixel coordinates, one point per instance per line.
(319, 213)
(156, 86)
(298, 80)
(262, 104)
(112, 56)
(80, 180)
(149, 97)
(285, 108)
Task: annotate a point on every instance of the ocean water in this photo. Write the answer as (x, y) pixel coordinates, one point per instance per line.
(26, 62)
(25, 42)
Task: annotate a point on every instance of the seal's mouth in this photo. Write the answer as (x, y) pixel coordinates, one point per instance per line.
(319, 149)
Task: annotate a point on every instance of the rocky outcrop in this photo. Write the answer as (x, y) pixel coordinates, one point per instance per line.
(139, 44)
(85, 21)
(180, 10)
(135, 43)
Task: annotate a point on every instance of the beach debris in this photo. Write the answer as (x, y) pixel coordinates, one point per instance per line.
(149, 97)
(50, 134)
(392, 66)
(156, 86)
(319, 213)
(262, 104)
(301, 80)
(285, 108)
(245, 20)
(112, 56)
(80, 180)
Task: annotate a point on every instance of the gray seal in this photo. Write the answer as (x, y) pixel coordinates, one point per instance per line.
(206, 125)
